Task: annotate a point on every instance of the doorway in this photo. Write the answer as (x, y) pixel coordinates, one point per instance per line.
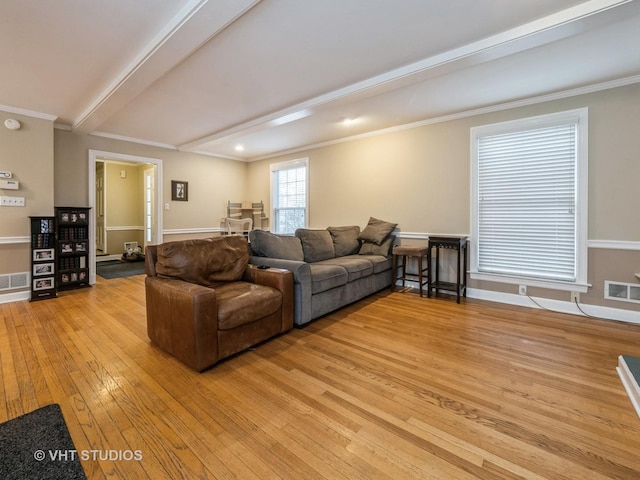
(115, 208)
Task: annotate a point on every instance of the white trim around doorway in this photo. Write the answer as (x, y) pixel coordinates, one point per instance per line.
(94, 156)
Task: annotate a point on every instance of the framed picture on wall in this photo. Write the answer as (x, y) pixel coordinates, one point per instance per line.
(179, 191)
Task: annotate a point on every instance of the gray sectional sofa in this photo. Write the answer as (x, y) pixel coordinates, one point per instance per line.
(332, 267)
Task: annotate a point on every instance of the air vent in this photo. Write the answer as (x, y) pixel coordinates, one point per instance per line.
(625, 292)
(19, 280)
(13, 281)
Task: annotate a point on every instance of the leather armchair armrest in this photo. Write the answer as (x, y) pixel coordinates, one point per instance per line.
(150, 257)
(281, 280)
(182, 319)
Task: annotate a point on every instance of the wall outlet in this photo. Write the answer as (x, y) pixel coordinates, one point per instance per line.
(575, 297)
(522, 290)
(12, 201)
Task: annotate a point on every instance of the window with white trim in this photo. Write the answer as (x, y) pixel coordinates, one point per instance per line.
(529, 201)
(289, 199)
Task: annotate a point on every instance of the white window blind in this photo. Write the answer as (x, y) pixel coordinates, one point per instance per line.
(527, 188)
(289, 189)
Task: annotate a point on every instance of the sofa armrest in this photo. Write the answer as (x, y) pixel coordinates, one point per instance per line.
(182, 319)
(301, 271)
(301, 284)
(281, 280)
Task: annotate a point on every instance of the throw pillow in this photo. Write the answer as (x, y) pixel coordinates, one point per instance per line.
(376, 231)
(267, 244)
(370, 248)
(204, 261)
(345, 240)
(316, 244)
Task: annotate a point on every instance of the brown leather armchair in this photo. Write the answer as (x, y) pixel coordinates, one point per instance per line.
(205, 302)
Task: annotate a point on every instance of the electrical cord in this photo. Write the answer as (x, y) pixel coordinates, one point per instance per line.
(557, 311)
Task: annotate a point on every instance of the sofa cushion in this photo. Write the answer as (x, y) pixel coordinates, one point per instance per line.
(345, 240)
(356, 266)
(240, 303)
(326, 277)
(380, 263)
(370, 248)
(204, 261)
(316, 244)
(267, 244)
(377, 231)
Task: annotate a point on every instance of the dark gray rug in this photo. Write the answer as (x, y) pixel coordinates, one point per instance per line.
(37, 446)
(118, 269)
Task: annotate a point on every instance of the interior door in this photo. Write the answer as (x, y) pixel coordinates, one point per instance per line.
(101, 247)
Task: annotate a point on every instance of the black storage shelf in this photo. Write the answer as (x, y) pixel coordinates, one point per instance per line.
(43, 258)
(73, 247)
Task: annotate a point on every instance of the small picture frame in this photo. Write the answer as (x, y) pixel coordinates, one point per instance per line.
(179, 191)
(64, 217)
(81, 247)
(40, 269)
(40, 254)
(43, 283)
(66, 247)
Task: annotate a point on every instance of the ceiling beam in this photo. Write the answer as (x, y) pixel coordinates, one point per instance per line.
(563, 24)
(196, 23)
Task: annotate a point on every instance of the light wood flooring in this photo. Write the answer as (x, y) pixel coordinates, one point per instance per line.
(392, 387)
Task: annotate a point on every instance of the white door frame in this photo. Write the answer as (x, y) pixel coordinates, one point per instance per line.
(94, 155)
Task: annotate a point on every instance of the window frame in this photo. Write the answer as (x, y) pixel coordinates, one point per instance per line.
(287, 165)
(580, 118)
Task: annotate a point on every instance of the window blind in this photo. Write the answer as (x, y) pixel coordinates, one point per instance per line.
(527, 203)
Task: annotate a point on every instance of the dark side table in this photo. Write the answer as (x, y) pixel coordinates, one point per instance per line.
(403, 252)
(449, 243)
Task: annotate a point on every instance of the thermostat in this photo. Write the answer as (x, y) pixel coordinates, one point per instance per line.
(6, 174)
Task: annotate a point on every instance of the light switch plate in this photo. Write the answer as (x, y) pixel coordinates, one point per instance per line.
(12, 201)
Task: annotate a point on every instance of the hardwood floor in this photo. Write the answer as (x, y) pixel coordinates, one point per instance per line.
(393, 387)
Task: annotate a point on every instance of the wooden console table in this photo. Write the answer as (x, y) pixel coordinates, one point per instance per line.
(452, 243)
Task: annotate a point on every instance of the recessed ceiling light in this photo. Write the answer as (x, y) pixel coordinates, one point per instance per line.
(348, 121)
(239, 148)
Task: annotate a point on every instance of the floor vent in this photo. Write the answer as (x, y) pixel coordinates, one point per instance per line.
(625, 292)
(13, 281)
(629, 372)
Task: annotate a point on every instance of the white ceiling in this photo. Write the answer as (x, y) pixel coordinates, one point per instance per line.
(208, 75)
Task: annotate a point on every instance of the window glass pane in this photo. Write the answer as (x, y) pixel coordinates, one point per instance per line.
(290, 199)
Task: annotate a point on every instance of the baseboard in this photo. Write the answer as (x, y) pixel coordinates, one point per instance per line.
(604, 313)
(15, 297)
(629, 371)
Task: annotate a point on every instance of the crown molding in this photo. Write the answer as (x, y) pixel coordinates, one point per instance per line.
(28, 113)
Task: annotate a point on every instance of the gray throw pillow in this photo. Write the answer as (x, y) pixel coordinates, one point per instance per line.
(370, 248)
(376, 231)
(316, 244)
(345, 240)
(267, 244)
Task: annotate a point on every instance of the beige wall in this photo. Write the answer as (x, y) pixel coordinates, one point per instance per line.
(420, 178)
(28, 154)
(212, 181)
